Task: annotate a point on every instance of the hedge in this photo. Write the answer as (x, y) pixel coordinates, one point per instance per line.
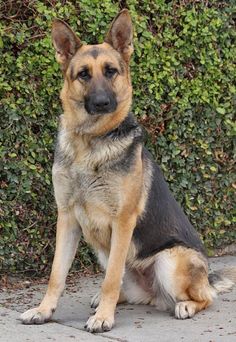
(183, 75)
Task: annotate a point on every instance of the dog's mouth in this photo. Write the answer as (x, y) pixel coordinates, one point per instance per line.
(100, 112)
(92, 107)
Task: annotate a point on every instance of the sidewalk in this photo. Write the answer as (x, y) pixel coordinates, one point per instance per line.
(134, 323)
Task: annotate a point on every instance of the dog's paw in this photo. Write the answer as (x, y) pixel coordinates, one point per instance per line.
(184, 310)
(36, 316)
(95, 300)
(98, 324)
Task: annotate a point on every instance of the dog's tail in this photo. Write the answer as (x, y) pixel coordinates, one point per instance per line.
(223, 280)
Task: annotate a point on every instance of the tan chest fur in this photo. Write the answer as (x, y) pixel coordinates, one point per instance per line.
(93, 197)
(92, 192)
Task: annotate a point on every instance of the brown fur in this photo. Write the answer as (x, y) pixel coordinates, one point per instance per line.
(192, 280)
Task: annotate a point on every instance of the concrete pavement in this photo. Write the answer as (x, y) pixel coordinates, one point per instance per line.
(134, 323)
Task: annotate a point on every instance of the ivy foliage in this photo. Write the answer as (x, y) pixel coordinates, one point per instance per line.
(183, 72)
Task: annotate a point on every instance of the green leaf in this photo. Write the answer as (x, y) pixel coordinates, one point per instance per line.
(220, 110)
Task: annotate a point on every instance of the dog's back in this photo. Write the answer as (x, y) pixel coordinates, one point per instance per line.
(163, 223)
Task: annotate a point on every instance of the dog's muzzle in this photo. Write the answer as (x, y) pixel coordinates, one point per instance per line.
(100, 102)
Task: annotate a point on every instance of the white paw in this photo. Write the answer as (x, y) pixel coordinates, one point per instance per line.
(184, 310)
(95, 300)
(97, 324)
(36, 316)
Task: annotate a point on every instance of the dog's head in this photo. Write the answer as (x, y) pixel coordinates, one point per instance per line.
(97, 87)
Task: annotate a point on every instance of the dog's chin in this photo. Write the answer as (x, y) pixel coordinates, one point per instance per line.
(100, 112)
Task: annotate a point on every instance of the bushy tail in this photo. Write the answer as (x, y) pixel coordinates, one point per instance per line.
(223, 280)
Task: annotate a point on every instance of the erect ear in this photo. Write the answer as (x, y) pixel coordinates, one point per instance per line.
(65, 42)
(120, 34)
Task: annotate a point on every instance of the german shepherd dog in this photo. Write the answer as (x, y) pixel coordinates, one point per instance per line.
(108, 187)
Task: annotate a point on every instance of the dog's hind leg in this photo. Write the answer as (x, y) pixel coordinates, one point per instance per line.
(182, 281)
(137, 287)
(68, 235)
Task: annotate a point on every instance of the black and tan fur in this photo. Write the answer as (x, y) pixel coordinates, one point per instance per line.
(108, 187)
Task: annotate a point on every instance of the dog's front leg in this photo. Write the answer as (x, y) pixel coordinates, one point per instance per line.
(68, 235)
(122, 231)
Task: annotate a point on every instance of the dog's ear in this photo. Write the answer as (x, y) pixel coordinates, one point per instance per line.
(120, 34)
(65, 42)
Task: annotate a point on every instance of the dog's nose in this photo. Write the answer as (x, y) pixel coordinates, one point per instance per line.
(101, 102)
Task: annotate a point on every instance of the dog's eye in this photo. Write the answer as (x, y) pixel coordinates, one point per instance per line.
(84, 75)
(110, 72)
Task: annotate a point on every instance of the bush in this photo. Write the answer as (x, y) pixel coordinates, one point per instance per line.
(184, 94)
